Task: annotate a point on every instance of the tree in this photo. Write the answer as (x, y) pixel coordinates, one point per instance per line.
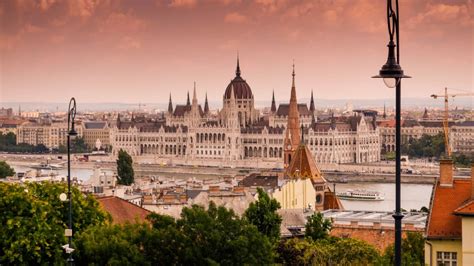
(330, 251)
(200, 237)
(413, 246)
(263, 214)
(125, 168)
(317, 227)
(34, 220)
(6, 170)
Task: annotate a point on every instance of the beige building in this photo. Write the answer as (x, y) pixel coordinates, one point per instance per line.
(462, 137)
(94, 132)
(450, 227)
(51, 135)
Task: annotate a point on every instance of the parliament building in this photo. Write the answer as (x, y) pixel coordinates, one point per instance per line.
(239, 135)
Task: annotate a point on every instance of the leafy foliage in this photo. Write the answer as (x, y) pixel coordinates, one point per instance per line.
(463, 160)
(34, 220)
(8, 144)
(413, 250)
(330, 251)
(78, 145)
(263, 214)
(213, 236)
(125, 168)
(426, 146)
(317, 227)
(6, 170)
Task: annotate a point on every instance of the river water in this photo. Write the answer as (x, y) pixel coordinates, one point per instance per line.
(414, 196)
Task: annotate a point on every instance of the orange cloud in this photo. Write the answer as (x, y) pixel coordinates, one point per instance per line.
(183, 3)
(235, 17)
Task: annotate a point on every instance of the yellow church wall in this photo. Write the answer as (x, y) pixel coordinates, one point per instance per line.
(296, 194)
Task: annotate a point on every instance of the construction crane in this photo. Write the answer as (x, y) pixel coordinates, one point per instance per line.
(446, 115)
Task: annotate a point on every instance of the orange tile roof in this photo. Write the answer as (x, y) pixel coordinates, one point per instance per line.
(467, 209)
(303, 165)
(443, 223)
(123, 211)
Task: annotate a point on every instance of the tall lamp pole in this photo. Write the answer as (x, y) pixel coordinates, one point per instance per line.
(71, 132)
(392, 74)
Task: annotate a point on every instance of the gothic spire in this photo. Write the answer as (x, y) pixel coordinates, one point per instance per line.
(384, 112)
(188, 102)
(194, 94)
(273, 109)
(311, 104)
(170, 106)
(237, 71)
(206, 106)
(293, 83)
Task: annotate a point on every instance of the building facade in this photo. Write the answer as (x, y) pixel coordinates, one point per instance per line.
(239, 136)
(51, 135)
(462, 137)
(96, 132)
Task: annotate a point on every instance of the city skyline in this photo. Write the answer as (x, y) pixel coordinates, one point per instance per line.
(123, 51)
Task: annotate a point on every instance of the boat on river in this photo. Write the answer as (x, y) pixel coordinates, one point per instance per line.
(360, 194)
(47, 166)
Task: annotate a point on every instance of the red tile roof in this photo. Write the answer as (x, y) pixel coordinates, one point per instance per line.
(443, 223)
(466, 209)
(123, 211)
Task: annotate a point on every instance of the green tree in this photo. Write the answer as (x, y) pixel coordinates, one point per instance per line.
(125, 168)
(317, 227)
(413, 247)
(263, 214)
(331, 251)
(34, 220)
(426, 146)
(6, 170)
(113, 245)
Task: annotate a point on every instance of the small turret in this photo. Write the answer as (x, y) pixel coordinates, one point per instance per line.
(206, 105)
(273, 108)
(311, 104)
(170, 106)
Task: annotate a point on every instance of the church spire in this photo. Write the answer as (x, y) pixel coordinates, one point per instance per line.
(170, 106)
(292, 139)
(273, 109)
(188, 102)
(194, 94)
(311, 104)
(206, 106)
(384, 111)
(237, 70)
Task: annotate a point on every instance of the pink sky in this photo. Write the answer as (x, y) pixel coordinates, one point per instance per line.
(140, 51)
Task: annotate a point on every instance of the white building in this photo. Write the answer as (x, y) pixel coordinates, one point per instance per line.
(240, 136)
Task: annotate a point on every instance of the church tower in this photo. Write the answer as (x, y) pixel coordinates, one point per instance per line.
(273, 108)
(292, 138)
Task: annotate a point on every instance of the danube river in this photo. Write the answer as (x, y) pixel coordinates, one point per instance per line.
(414, 196)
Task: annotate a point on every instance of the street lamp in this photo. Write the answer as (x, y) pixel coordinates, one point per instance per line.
(392, 74)
(71, 133)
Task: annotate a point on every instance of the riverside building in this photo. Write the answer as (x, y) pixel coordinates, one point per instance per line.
(239, 136)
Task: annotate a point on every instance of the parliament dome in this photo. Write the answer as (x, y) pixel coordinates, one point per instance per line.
(241, 88)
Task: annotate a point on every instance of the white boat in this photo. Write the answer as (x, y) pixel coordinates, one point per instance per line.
(47, 166)
(359, 194)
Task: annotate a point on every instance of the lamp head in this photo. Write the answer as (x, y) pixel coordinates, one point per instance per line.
(391, 72)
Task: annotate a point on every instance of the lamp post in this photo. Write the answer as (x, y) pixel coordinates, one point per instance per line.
(71, 132)
(392, 74)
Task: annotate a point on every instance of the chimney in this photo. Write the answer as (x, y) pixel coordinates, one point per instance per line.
(446, 172)
(472, 181)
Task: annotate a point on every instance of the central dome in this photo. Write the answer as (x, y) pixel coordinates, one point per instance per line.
(241, 88)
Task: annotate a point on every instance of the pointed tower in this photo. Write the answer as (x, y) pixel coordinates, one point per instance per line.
(170, 106)
(233, 120)
(292, 138)
(384, 112)
(188, 102)
(206, 106)
(274, 108)
(195, 101)
(237, 70)
(311, 104)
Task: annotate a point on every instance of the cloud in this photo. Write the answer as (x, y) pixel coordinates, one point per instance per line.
(443, 13)
(122, 22)
(236, 18)
(183, 3)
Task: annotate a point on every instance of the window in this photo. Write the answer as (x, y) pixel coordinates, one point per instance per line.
(446, 258)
